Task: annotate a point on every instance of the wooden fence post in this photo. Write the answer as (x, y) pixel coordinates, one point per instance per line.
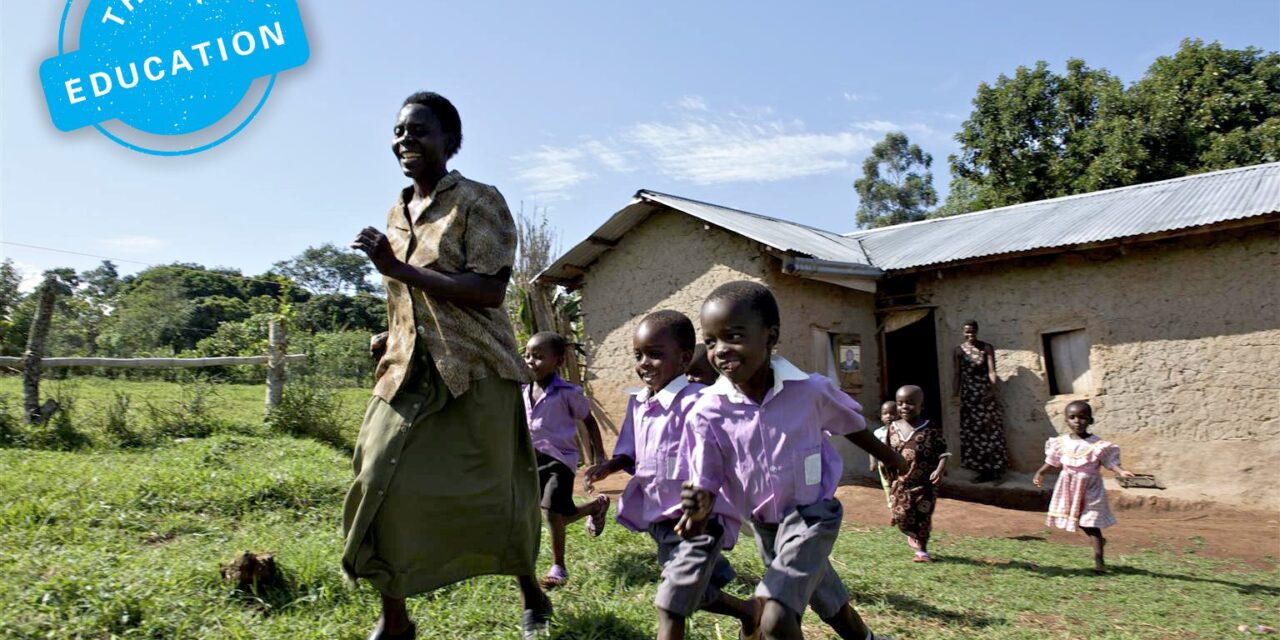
(277, 339)
(35, 351)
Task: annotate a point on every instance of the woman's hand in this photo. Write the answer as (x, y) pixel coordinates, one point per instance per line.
(936, 476)
(374, 244)
(1038, 480)
(1125, 474)
(378, 346)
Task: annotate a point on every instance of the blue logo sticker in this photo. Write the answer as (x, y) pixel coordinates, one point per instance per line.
(170, 67)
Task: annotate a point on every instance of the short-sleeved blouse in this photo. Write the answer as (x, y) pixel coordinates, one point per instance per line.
(465, 228)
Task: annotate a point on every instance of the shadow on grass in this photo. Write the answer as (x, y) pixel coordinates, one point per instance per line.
(922, 609)
(1112, 570)
(595, 626)
(635, 567)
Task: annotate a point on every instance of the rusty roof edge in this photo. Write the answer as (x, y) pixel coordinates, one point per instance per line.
(549, 275)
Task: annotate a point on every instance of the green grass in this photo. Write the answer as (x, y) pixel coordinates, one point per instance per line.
(109, 543)
(234, 408)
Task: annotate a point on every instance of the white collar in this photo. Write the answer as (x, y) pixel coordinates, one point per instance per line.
(783, 371)
(668, 393)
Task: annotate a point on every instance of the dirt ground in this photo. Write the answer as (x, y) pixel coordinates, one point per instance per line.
(1205, 530)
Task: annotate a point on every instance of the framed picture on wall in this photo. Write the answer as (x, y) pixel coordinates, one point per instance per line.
(846, 351)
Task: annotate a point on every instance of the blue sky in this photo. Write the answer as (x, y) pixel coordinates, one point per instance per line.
(570, 107)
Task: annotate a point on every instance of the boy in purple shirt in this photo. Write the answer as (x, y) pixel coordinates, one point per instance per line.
(649, 448)
(552, 407)
(758, 436)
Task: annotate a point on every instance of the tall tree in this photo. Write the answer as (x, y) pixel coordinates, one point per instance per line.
(10, 280)
(1207, 107)
(326, 269)
(1040, 135)
(896, 184)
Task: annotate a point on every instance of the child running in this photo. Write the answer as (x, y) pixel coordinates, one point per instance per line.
(552, 406)
(888, 414)
(1079, 498)
(693, 571)
(920, 442)
(758, 438)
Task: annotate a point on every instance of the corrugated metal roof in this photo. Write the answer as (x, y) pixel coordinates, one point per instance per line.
(1137, 210)
(788, 237)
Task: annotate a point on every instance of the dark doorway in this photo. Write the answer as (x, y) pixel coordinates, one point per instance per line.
(911, 357)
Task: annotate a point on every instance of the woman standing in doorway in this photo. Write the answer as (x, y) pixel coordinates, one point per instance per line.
(982, 444)
(446, 487)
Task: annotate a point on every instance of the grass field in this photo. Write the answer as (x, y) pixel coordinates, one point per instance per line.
(106, 543)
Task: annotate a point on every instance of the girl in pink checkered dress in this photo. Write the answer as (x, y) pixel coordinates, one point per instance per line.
(1079, 498)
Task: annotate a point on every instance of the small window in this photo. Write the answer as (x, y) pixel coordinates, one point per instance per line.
(1066, 355)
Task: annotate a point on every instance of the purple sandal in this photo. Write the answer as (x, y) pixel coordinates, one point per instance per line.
(555, 577)
(595, 523)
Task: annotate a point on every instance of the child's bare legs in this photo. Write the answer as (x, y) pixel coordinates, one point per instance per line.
(557, 523)
(743, 610)
(848, 624)
(780, 623)
(1099, 542)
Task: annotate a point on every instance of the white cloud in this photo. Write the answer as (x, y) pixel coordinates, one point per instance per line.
(134, 244)
(696, 144)
(550, 172)
(745, 147)
(31, 276)
(885, 126)
(850, 96)
(692, 103)
(608, 156)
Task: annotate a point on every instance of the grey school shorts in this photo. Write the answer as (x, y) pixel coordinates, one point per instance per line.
(693, 571)
(796, 555)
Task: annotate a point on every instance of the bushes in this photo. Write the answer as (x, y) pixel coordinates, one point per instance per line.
(190, 416)
(311, 409)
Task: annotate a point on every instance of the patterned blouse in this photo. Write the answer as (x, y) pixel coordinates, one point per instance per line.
(465, 228)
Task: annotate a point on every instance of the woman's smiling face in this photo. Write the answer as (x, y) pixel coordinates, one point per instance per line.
(419, 141)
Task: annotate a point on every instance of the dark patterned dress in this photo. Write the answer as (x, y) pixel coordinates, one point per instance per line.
(982, 444)
(914, 496)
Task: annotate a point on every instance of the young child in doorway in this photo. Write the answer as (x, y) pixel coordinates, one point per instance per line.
(914, 492)
(888, 413)
(552, 407)
(758, 439)
(1079, 498)
(693, 571)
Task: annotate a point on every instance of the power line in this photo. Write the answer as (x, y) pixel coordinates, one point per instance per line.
(148, 264)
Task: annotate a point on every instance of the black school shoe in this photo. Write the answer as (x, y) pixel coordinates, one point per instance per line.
(533, 623)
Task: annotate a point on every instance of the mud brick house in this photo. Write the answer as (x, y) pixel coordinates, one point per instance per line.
(1157, 303)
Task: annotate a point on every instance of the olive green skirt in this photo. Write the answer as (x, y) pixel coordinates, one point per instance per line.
(446, 488)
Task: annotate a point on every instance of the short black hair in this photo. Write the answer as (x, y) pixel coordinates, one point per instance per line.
(756, 296)
(1079, 403)
(677, 324)
(970, 323)
(552, 339)
(446, 114)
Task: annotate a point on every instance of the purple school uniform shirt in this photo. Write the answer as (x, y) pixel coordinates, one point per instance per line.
(652, 435)
(552, 419)
(770, 458)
